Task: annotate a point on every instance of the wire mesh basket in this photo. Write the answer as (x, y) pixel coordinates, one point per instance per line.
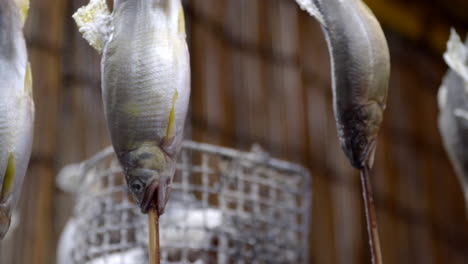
(226, 206)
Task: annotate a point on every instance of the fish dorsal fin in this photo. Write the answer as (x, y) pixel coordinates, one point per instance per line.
(23, 6)
(94, 23)
(456, 56)
(312, 9)
(9, 176)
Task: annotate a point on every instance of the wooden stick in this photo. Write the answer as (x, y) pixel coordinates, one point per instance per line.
(153, 247)
(371, 218)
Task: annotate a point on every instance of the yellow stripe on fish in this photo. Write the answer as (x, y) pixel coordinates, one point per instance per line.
(9, 176)
(181, 20)
(23, 6)
(28, 80)
(171, 126)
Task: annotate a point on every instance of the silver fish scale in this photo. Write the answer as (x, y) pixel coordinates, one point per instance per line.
(5, 117)
(226, 207)
(6, 131)
(152, 92)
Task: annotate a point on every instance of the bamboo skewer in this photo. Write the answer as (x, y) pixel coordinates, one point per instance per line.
(153, 246)
(371, 218)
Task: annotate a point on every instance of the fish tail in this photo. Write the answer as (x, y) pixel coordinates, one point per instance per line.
(93, 21)
(311, 7)
(456, 55)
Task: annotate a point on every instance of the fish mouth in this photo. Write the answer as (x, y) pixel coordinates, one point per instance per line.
(361, 157)
(155, 197)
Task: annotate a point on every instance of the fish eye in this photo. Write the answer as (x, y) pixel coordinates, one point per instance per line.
(360, 143)
(137, 186)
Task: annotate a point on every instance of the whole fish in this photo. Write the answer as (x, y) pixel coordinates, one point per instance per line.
(360, 64)
(453, 106)
(360, 73)
(16, 108)
(145, 88)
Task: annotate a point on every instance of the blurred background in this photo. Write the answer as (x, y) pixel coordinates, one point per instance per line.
(261, 74)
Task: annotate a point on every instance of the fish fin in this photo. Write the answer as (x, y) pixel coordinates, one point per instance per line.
(312, 9)
(94, 23)
(9, 176)
(28, 80)
(456, 56)
(23, 6)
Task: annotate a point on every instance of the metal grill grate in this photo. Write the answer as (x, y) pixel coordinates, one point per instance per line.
(226, 207)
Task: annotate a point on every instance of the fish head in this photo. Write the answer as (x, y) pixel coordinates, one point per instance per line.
(5, 220)
(358, 134)
(149, 170)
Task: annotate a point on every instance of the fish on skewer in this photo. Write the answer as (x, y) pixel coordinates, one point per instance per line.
(360, 64)
(453, 106)
(16, 107)
(145, 86)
